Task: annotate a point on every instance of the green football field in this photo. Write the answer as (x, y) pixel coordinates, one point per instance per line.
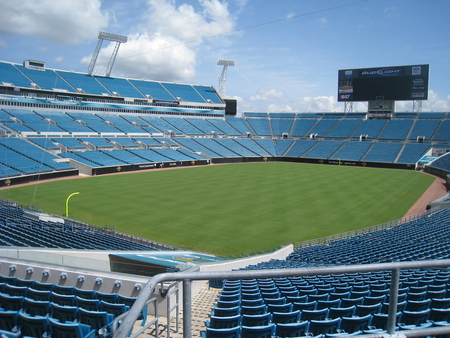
(233, 208)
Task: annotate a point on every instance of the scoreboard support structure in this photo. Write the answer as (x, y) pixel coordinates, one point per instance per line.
(417, 106)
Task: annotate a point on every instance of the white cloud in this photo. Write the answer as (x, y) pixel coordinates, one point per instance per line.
(185, 24)
(265, 95)
(290, 15)
(435, 103)
(68, 22)
(319, 103)
(164, 47)
(149, 57)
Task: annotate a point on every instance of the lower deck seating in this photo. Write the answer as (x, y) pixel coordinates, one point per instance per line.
(353, 303)
(27, 311)
(18, 230)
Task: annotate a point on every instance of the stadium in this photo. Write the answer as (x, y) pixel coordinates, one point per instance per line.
(74, 277)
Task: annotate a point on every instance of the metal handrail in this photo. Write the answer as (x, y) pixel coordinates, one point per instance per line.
(145, 326)
(187, 277)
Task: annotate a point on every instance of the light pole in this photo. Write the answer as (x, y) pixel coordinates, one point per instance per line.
(67, 203)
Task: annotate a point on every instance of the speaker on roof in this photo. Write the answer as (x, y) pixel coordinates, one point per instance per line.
(230, 107)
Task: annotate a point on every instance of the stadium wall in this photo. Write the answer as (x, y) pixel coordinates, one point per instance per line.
(37, 177)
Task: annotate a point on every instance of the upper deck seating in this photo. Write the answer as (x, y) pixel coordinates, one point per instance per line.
(281, 126)
(119, 87)
(344, 128)
(396, 130)
(239, 125)
(322, 127)
(443, 133)
(224, 127)
(425, 128)
(302, 126)
(10, 74)
(84, 83)
(46, 79)
(431, 115)
(371, 128)
(184, 92)
(261, 126)
(153, 90)
(208, 93)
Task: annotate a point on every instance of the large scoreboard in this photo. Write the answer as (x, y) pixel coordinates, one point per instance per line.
(398, 83)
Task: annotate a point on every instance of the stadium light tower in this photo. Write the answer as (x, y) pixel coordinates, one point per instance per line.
(223, 76)
(110, 37)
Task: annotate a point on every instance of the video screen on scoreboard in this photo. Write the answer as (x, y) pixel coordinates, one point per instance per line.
(384, 83)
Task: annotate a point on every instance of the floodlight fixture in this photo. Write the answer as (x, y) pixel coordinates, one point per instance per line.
(110, 37)
(223, 62)
(223, 76)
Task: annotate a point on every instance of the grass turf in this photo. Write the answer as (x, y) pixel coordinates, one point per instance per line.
(234, 208)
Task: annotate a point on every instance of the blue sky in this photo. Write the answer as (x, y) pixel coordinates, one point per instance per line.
(287, 52)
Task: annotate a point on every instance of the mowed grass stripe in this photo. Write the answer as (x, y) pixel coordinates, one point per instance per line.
(234, 208)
